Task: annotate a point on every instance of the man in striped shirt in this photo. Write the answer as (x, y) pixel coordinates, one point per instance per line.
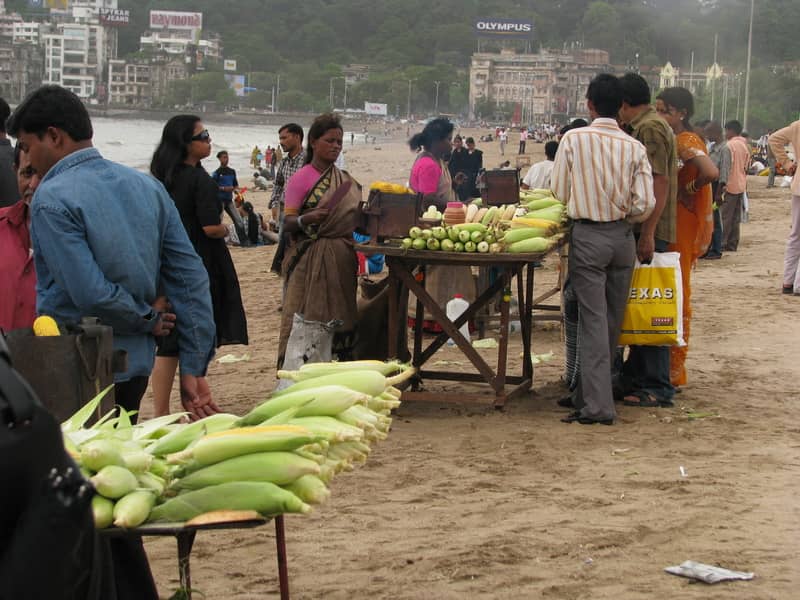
(604, 178)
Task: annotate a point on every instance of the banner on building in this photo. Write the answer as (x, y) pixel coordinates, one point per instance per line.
(55, 4)
(114, 17)
(229, 65)
(169, 19)
(504, 28)
(373, 108)
(236, 83)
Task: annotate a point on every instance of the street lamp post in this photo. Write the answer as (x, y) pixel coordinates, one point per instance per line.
(332, 99)
(408, 108)
(436, 102)
(747, 72)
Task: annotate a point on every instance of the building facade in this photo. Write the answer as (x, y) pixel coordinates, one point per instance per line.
(547, 86)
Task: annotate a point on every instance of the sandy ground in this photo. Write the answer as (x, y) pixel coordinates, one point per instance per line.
(464, 501)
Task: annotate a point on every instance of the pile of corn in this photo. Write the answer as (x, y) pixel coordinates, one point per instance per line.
(390, 188)
(279, 458)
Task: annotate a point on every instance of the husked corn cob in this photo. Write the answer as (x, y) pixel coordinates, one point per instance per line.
(261, 496)
(279, 468)
(114, 482)
(180, 438)
(103, 512)
(216, 447)
(312, 370)
(133, 509)
(151, 482)
(517, 235)
(323, 399)
(309, 488)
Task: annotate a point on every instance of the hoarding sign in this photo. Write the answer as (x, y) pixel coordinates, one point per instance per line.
(236, 83)
(373, 108)
(504, 28)
(229, 65)
(168, 19)
(114, 17)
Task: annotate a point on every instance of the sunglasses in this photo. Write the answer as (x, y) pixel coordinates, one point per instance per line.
(203, 136)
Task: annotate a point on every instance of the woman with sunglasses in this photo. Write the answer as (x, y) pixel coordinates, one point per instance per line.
(176, 163)
(695, 222)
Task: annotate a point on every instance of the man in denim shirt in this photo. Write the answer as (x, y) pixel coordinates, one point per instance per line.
(107, 241)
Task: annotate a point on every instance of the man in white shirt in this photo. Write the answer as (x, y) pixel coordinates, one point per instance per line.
(605, 179)
(538, 176)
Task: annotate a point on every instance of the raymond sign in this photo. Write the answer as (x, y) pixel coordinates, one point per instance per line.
(167, 19)
(114, 16)
(373, 108)
(229, 65)
(504, 28)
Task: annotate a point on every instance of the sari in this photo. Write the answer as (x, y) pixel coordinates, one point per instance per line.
(321, 268)
(694, 227)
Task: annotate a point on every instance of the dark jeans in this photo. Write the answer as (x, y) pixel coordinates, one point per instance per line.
(715, 249)
(128, 394)
(647, 367)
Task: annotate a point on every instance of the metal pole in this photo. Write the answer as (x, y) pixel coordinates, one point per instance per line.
(747, 72)
(330, 92)
(738, 93)
(345, 94)
(724, 98)
(713, 73)
(408, 109)
(691, 74)
(436, 102)
(277, 95)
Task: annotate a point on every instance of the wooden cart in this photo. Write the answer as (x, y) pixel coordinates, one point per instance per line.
(403, 264)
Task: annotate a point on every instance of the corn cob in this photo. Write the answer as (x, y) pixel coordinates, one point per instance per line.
(470, 227)
(96, 454)
(179, 439)
(525, 222)
(312, 400)
(222, 445)
(310, 455)
(339, 452)
(261, 496)
(330, 428)
(536, 244)
(114, 482)
(508, 214)
(137, 461)
(478, 218)
(309, 488)
(541, 203)
(472, 210)
(103, 512)
(151, 482)
(370, 383)
(279, 468)
(312, 370)
(133, 509)
(517, 235)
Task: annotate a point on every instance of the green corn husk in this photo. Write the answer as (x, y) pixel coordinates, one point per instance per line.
(223, 445)
(261, 496)
(181, 438)
(152, 482)
(309, 455)
(279, 468)
(79, 419)
(133, 509)
(310, 488)
(159, 467)
(314, 370)
(370, 383)
(329, 428)
(114, 482)
(137, 461)
(96, 454)
(103, 511)
(319, 400)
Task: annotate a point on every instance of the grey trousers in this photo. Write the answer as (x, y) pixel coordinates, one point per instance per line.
(601, 259)
(731, 213)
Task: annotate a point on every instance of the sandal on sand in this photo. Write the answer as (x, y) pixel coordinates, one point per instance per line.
(641, 398)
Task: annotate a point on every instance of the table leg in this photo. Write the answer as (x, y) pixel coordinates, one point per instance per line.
(283, 571)
(392, 333)
(525, 333)
(502, 353)
(419, 320)
(185, 541)
(529, 312)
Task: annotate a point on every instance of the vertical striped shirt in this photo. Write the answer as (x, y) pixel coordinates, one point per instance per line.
(603, 174)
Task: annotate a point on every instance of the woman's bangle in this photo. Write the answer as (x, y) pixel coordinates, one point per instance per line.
(690, 187)
(300, 222)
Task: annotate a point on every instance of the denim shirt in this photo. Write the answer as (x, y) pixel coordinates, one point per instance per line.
(106, 239)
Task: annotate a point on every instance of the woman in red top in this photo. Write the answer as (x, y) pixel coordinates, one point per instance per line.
(17, 274)
(695, 222)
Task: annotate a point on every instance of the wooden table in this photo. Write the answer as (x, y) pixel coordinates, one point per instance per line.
(185, 534)
(402, 265)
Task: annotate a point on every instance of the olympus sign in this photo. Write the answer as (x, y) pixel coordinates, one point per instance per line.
(504, 28)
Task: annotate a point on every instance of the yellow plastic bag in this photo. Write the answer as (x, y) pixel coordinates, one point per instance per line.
(654, 313)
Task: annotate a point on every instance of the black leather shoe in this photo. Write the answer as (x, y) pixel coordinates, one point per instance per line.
(565, 402)
(576, 417)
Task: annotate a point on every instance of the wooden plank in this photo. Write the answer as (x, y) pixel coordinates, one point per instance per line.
(453, 258)
(469, 377)
(439, 397)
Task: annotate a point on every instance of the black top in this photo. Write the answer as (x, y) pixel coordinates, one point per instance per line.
(195, 196)
(474, 161)
(458, 162)
(9, 191)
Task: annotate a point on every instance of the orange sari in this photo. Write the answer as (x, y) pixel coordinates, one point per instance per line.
(695, 224)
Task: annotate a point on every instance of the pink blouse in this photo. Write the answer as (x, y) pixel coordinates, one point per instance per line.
(425, 175)
(298, 187)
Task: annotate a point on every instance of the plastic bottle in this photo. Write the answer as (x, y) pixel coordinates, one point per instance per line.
(454, 309)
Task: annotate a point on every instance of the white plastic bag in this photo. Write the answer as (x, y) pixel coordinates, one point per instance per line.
(309, 342)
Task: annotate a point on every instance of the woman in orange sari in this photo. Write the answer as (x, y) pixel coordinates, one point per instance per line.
(695, 222)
